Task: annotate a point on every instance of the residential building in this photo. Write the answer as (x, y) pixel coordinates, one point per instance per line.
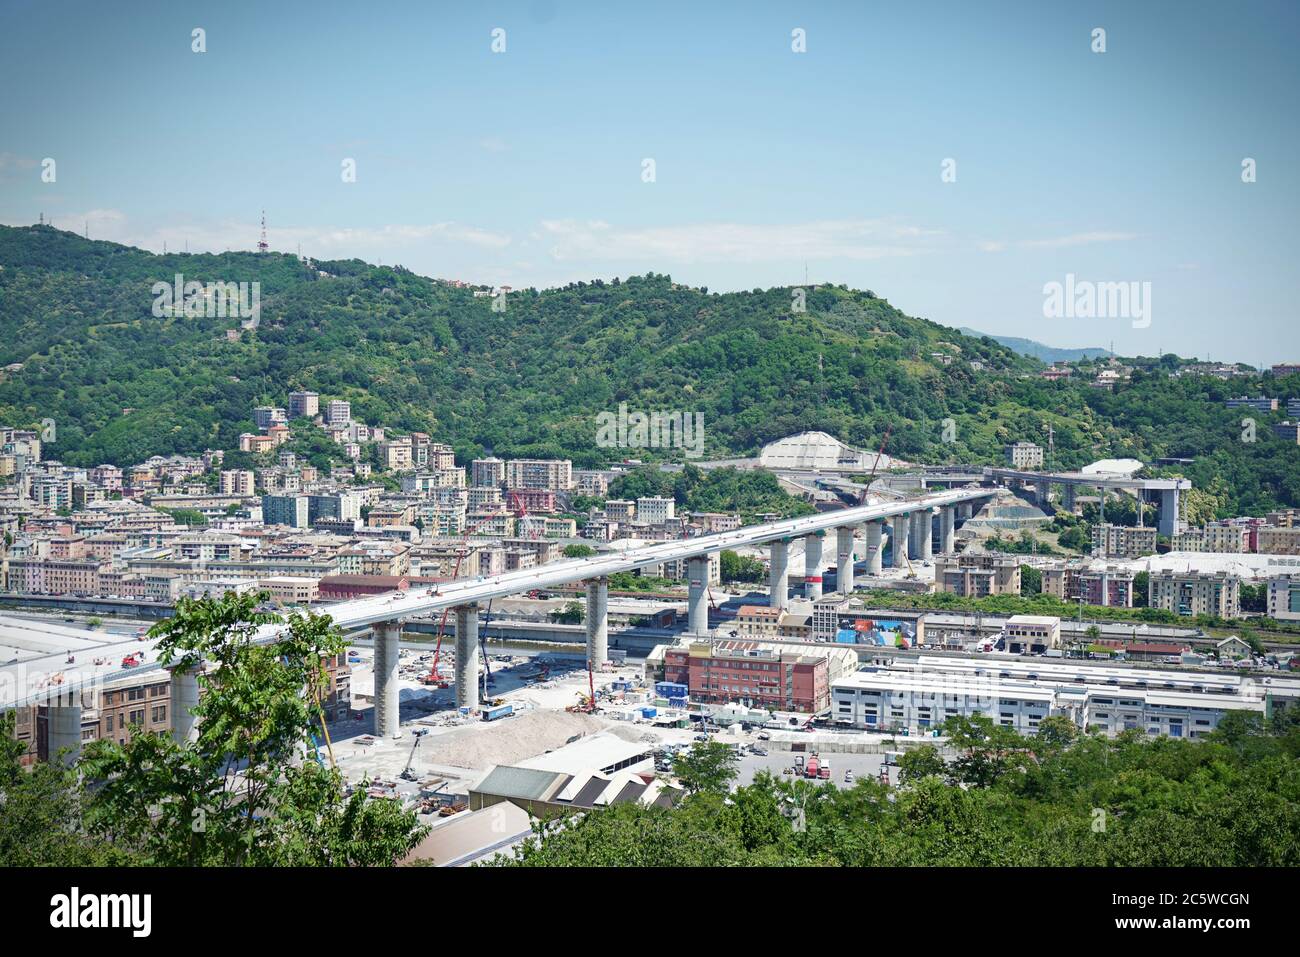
(1259, 404)
(237, 482)
(554, 474)
(1122, 541)
(1111, 586)
(1025, 455)
(1278, 541)
(974, 576)
(487, 473)
(1195, 593)
(654, 510)
(304, 405)
(291, 510)
(1288, 432)
(338, 412)
(1284, 598)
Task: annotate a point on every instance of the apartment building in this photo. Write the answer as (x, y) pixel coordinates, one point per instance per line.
(1111, 586)
(1121, 541)
(655, 510)
(1196, 593)
(291, 510)
(338, 412)
(1025, 455)
(1288, 432)
(304, 405)
(1278, 541)
(974, 576)
(265, 416)
(397, 455)
(554, 474)
(237, 482)
(487, 473)
(1284, 598)
(1258, 404)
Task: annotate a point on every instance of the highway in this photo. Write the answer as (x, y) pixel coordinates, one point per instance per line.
(41, 678)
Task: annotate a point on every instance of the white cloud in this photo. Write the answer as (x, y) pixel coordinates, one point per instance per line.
(865, 239)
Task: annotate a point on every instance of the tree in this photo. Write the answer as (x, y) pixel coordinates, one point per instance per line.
(41, 813)
(248, 789)
(734, 567)
(571, 614)
(709, 766)
(1031, 580)
(919, 763)
(578, 551)
(989, 751)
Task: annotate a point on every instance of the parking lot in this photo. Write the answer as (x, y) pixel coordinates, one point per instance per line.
(862, 765)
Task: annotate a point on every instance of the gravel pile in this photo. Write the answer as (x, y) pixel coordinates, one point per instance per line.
(507, 741)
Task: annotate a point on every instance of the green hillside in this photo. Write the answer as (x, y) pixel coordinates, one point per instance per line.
(410, 352)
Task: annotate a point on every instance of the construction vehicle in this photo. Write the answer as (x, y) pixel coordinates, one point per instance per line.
(811, 768)
(132, 660)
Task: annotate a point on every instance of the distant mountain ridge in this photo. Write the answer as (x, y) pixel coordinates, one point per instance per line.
(1037, 350)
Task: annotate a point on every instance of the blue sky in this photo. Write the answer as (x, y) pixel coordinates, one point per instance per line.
(525, 167)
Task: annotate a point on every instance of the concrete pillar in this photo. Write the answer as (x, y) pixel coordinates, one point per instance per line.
(1141, 518)
(927, 534)
(947, 530)
(1169, 522)
(63, 729)
(388, 695)
(697, 604)
(1069, 497)
(901, 544)
(844, 559)
(812, 565)
(467, 656)
(1101, 505)
(778, 578)
(1045, 496)
(597, 622)
(875, 532)
(185, 698)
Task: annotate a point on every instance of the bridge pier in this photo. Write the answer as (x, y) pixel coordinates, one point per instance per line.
(697, 605)
(467, 656)
(875, 532)
(812, 564)
(844, 559)
(1044, 492)
(1169, 522)
(778, 578)
(597, 622)
(901, 540)
(1068, 497)
(947, 530)
(388, 696)
(63, 729)
(927, 534)
(185, 698)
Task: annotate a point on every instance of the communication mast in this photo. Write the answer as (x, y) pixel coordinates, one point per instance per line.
(262, 244)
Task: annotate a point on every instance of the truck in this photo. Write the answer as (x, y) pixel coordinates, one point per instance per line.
(498, 711)
(812, 769)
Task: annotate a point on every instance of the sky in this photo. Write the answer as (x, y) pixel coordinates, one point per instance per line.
(957, 158)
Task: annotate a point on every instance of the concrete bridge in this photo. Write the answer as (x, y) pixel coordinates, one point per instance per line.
(913, 526)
